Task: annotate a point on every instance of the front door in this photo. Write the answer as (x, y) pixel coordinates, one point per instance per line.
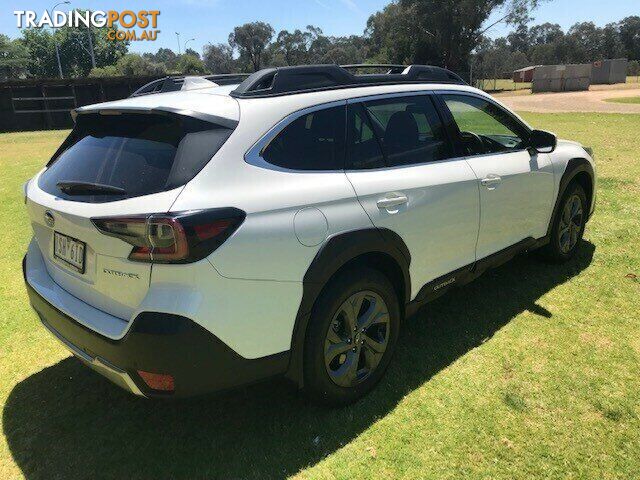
(400, 164)
(516, 186)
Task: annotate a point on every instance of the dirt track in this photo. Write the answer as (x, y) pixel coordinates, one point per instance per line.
(591, 101)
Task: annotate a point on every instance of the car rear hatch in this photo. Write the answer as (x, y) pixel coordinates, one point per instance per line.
(119, 161)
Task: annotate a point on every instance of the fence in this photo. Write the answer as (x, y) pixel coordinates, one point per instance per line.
(45, 104)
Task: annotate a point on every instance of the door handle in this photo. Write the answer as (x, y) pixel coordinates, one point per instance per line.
(491, 180)
(392, 200)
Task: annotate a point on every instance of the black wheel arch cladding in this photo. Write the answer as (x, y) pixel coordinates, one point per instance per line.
(577, 170)
(338, 252)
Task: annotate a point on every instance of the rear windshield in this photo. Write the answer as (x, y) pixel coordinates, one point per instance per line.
(137, 153)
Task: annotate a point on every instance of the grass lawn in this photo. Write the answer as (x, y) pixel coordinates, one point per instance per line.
(532, 371)
(623, 100)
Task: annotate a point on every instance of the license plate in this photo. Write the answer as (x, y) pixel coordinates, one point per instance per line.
(69, 250)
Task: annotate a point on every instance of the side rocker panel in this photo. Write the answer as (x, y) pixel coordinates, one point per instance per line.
(334, 254)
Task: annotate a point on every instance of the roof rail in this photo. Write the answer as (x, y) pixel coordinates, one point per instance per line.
(176, 83)
(390, 67)
(271, 82)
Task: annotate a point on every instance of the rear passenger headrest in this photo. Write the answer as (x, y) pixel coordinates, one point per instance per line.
(402, 131)
(414, 108)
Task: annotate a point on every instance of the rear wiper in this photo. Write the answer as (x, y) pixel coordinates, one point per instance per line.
(89, 188)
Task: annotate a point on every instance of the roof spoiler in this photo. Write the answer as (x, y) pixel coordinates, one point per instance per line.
(159, 110)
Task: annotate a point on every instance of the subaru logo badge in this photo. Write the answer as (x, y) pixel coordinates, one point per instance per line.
(48, 219)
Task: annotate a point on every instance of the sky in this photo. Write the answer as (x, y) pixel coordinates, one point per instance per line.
(210, 21)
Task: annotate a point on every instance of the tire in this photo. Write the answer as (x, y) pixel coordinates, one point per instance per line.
(341, 366)
(566, 238)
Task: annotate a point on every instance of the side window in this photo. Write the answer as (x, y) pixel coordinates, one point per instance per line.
(409, 130)
(314, 141)
(485, 127)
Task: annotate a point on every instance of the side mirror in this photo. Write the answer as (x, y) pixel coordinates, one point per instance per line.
(543, 142)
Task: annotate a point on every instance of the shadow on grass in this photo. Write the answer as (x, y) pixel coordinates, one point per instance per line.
(67, 422)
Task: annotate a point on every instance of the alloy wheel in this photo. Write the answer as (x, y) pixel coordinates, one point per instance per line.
(357, 338)
(570, 224)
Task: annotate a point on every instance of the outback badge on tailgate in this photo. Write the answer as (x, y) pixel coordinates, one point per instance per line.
(48, 219)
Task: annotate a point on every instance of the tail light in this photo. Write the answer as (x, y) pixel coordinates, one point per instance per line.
(173, 238)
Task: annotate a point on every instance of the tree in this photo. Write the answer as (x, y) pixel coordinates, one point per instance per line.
(312, 46)
(192, 52)
(41, 48)
(293, 46)
(130, 65)
(392, 35)
(108, 71)
(319, 44)
(629, 29)
(164, 56)
(585, 42)
(519, 39)
(355, 46)
(251, 40)
(134, 65)
(544, 54)
(74, 48)
(219, 58)
(612, 46)
(190, 65)
(443, 32)
(14, 58)
(495, 59)
(545, 33)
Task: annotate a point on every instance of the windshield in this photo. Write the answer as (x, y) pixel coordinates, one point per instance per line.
(137, 154)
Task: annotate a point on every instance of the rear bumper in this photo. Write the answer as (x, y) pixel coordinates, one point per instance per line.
(159, 343)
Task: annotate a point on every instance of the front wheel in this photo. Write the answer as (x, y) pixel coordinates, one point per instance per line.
(351, 337)
(568, 225)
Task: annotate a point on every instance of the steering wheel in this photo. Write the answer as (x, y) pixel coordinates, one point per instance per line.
(476, 144)
(492, 145)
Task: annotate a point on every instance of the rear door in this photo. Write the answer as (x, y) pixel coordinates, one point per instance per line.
(114, 165)
(516, 186)
(402, 167)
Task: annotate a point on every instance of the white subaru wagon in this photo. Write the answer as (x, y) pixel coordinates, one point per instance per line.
(197, 237)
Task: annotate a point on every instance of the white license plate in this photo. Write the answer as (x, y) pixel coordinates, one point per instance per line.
(69, 250)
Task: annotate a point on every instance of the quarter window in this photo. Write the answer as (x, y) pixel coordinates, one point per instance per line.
(485, 127)
(364, 150)
(314, 141)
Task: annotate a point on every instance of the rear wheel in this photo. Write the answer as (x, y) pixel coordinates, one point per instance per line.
(568, 225)
(351, 336)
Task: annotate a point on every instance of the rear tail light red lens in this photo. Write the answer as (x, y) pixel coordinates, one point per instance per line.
(173, 238)
(210, 230)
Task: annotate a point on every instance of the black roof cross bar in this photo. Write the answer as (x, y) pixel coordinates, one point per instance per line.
(271, 82)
